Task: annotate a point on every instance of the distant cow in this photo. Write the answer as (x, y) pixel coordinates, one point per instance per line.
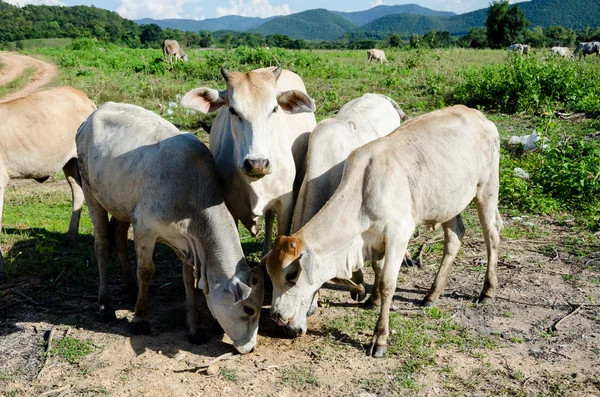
(587, 49)
(562, 52)
(377, 55)
(171, 48)
(527, 49)
(516, 48)
(37, 138)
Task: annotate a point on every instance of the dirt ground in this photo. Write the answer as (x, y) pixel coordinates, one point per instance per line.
(15, 64)
(545, 274)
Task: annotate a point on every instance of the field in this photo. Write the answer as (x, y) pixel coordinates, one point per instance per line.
(539, 338)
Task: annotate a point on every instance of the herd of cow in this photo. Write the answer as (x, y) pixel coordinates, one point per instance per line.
(351, 189)
(582, 49)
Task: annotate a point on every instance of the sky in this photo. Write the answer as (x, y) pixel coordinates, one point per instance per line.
(202, 9)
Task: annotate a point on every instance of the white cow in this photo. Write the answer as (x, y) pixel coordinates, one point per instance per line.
(259, 140)
(171, 48)
(588, 48)
(516, 48)
(562, 52)
(358, 122)
(142, 170)
(37, 138)
(378, 55)
(425, 172)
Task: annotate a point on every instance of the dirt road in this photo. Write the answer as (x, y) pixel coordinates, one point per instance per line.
(15, 64)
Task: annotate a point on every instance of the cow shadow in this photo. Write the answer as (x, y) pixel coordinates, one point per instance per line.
(50, 283)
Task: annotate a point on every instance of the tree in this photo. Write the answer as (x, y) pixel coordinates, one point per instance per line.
(395, 40)
(505, 24)
(477, 38)
(150, 35)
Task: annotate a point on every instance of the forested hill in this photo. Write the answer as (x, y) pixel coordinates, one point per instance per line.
(34, 22)
(363, 17)
(229, 22)
(317, 24)
(576, 14)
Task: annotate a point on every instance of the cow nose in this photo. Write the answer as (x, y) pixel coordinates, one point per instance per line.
(257, 167)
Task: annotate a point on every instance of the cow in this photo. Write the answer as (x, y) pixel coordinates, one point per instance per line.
(527, 49)
(425, 172)
(37, 138)
(171, 48)
(378, 55)
(358, 122)
(143, 171)
(588, 48)
(259, 141)
(516, 48)
(562, 52)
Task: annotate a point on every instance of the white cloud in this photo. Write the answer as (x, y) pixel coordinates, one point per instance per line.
(376, 3)
(253, 8)
(21, 3)
(157, 9)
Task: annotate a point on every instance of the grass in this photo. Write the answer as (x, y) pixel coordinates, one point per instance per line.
(72, 349)
(17, 83)
(229, 374)
(299, 378)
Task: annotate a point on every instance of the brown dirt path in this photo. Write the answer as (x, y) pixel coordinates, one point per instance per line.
(15, 64)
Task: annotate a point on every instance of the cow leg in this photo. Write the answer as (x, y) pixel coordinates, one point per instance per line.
(144, 241)
(99, 218)
(120, 230)
(358, 294)
(268, 241)
(396, 245)
(375, 298)
(196, 335)
(72, 174)
(491, 223)
(454, 230)
(3, 183)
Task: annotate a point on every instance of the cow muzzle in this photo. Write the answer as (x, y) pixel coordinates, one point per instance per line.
(257, 168)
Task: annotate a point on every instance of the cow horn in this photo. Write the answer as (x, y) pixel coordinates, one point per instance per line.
(226, 74)
(277, 72)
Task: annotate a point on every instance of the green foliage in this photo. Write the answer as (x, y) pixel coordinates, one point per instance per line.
(229, 374)
(299, 377)
(72, 349)
(528, 84)
(505, 24)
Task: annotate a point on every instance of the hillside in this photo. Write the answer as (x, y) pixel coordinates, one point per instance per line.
(361, 18)
(318, 24)
(229, 22)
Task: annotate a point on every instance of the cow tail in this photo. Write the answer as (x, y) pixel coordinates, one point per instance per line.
(401, 113)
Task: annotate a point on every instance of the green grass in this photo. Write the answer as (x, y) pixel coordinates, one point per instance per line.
(229, 374)
(72, 349)
(17, 83)
(299, 378)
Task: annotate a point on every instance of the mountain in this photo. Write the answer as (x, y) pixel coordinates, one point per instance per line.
(228, 22)
(318, 24)
(363, 17)
(543, 13)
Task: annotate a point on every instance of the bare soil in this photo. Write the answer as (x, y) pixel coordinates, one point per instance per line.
(545, 272)
(15, 64)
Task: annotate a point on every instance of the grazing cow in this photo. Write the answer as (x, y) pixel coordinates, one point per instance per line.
(516, 48)
(584, 49)
(37, 138)
(358, 122)
(527, 49)
(425, 172)
(562, 52)
(142, 170)
(259, 140)
(171, 48)
(377, 55)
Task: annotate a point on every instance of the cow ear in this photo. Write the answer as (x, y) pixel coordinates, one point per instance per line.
(294, 101)
(307, 263)
(239, 290)
(277, 72)
(205, 100)
(263, 261)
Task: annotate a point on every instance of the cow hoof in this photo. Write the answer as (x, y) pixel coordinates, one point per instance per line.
(377, 351)
(107, 316)
(216, 329)
(140, 328)
(358, 295)
(428, 303)
(370, 303)
(485, 300)
(199, 338)
(311, 311)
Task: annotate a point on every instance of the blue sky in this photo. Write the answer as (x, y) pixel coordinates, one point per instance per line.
(201, 9)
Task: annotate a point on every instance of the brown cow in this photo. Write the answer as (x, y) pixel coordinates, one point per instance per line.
(171, 48)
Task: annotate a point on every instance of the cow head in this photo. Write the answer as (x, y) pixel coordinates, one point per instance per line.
(291, 264)
(236, 305)
(254, 105)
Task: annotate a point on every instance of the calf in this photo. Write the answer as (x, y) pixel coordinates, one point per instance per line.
(142, 170)
(172, 49)
(426, 172)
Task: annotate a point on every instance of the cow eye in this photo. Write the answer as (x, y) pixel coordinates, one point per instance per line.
(291, 276)
(233, 112)
(275, 109)
(249, 311)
